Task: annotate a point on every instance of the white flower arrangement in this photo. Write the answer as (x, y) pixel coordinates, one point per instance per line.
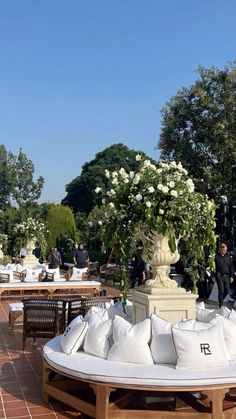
(28, 229)
(158, 198)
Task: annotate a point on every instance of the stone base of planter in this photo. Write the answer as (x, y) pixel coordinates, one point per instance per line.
(171, 305)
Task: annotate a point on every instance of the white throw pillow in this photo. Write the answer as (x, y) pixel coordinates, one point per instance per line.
(32, 274)
(98, 335)
(200, 348)
(55, 271)
(78, 273)
(131, 342)
(229, 329)
(73, 337)
(232, 316)
(201, 325)
(162, 345)
(102, 313)
(206, 315)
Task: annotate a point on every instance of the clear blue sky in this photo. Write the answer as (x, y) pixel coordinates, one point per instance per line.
(79, 75)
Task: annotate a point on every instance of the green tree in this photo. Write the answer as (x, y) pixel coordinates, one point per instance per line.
(199, 129)
(61, 224)
(5, 186)
(25, 191)
(81, 194)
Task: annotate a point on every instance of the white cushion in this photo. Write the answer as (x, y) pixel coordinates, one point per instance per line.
(206, 315)
(162, 345)
(73, 337)
(19, 268)
(201, 348)
(55, 271)
(232, 316)
(32, 274)
(131, 342)
(11, 266)
(201, 325)
(97, 336)
(77, 273)
(102, 313)
(229, 329)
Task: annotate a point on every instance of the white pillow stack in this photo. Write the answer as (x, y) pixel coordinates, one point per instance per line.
(206, 315)
(131, 342)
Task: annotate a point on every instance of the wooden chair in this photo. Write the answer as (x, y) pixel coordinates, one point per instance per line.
(43, 318)
(4, 277)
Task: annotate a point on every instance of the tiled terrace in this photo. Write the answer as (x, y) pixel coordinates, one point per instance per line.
(20, 375)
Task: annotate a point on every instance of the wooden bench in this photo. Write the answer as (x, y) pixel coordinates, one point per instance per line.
(104, 389)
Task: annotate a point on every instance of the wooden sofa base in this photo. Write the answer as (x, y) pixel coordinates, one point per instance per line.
(103, 400)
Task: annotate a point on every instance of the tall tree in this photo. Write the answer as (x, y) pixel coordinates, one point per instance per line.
(5, 186)
(199, 129)
(25, 191)
(61, 224)
(81, 194)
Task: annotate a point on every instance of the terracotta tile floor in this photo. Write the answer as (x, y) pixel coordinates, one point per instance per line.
(20, 375)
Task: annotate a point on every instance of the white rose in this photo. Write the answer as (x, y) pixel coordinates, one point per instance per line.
(103, 201)
(107, 173)
(97, 190)
(138, 157)
(136, 179)
(161, 211)
(111, 204)
(159, 170)
(112, 192)
(131, 174)
(148, 204)
(165, 189)
(160, 187)
(171, 184)
(122, 171)
(114, 174)
(151, 189)
(174, 193)
(114, 181)
(126, 180)
(146, 163)
(100, 223)
(138, 197)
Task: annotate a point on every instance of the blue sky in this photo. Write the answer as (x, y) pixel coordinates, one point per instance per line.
(79, 75)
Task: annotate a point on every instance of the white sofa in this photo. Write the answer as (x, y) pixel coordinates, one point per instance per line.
(113, 389)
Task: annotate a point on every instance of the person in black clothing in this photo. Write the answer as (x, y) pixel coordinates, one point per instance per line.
(54, 258)
(138, 272)
(223, 272)
(81, 257)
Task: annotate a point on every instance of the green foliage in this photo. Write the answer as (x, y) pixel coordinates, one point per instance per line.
(81, 194)
(16, 180)
(199, 129)
(60, 223)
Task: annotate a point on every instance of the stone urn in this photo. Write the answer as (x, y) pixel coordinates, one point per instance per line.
(30, 258)
(161, 260)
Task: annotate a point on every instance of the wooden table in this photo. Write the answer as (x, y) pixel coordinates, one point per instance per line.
(50, 287)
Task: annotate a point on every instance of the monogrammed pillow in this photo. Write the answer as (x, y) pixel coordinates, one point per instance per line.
(73, 337)
(229, 329)
(162, 345)
(200, 348)
(131, 342)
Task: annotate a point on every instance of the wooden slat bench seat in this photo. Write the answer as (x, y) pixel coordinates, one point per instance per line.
(104, 389)
(50, 287)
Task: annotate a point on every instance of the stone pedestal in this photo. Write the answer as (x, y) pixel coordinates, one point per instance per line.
(171, 305)
(30, 259)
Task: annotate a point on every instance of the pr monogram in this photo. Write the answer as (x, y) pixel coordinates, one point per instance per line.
(205, 348)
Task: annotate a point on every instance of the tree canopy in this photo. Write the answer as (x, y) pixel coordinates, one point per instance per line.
(81, 194)
(199, 129)
(16, 180)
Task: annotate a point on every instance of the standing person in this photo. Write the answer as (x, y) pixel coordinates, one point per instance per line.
(54, 258)
(138, 273)
(81, 257)
(223, 272)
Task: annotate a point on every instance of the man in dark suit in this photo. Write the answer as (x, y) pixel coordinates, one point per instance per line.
(223, 272)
